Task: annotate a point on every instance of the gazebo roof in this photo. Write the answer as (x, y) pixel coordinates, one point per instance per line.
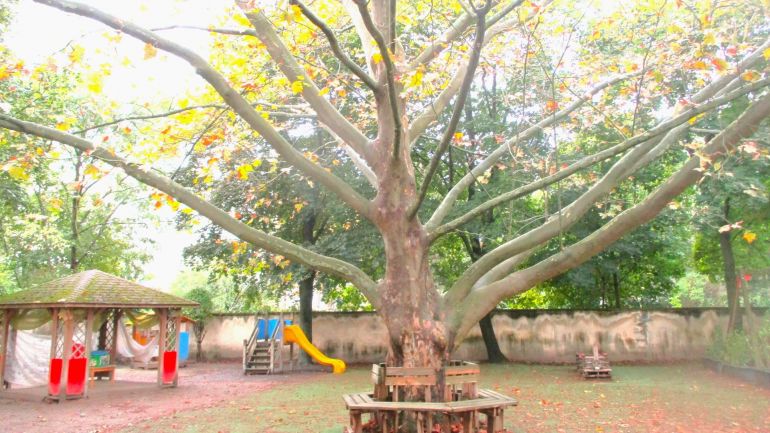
(92, 289)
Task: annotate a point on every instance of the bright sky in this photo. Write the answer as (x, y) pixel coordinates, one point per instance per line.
(161, 77)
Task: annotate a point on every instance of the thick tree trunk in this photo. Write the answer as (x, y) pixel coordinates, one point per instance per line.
(731, 282)
(309, 237)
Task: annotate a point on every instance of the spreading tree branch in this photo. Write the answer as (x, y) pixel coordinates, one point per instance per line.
(283, 58)
(335, 46)
(457, 111)
(390, 73)
(455, 30)
(601, 156)
(571, 214)
(478, 302)
(192, 107)
(234, 99)
(217, 216)
(231, 32)
(431, 113)
(451, 197)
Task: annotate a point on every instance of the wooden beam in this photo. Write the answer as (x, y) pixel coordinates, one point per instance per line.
(54, 331)
(6, 326)
(114, 343)
(87, 354)
(162, 315)
(69, 322)
(178, 320)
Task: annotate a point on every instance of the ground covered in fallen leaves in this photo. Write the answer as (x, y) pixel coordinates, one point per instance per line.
(216, 398)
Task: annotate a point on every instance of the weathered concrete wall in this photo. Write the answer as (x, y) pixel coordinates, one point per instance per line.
(524, 335)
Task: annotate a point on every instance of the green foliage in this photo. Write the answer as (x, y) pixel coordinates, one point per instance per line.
(60, 213)
(203, 297)
(743, 348)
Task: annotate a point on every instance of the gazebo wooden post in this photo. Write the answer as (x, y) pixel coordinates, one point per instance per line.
(88, 348)
(54, 331)
(69, 324)
(6, 326)
(178, 328)
(114, 343)
(162, 317)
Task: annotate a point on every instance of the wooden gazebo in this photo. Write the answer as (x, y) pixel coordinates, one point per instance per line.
(83, 305)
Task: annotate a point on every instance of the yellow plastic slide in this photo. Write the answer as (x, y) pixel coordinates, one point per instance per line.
(294, 334)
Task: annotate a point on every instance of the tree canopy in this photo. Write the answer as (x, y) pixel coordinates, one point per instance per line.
(589, 131)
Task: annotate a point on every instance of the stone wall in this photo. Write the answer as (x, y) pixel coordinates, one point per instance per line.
(549, 336)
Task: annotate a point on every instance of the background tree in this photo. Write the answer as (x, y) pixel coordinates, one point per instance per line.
(204, 297)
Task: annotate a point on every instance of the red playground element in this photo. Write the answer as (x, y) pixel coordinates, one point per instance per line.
(78, 351)
(76, 376)
(54, 376)
(169, 367)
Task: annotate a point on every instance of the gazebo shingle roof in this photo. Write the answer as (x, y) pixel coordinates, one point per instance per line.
(93, 289)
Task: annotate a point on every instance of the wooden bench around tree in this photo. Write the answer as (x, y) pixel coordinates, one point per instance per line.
(384, 413)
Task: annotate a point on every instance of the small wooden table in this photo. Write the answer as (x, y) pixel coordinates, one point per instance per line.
(110, 369)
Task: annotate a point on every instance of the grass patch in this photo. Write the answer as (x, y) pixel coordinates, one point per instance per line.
(670, 398)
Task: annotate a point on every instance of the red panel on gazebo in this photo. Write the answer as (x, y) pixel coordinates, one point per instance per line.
(76, 376)
(169, 366)
(54, 376)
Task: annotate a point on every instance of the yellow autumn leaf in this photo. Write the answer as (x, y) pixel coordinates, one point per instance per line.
(766, 53)
(149, 51)
(91, 170)
(298, 207)
(416, 79)
(65, 124)
(296, 12)
(186, 117)
(296, 87)
(17, 172)
(709, 39)
(173, 203)
(244, 170)
(749, 237)
(750, 75)
(376, 58)
(94, 83)
(76, 55)
(242, 20)
(323, 91)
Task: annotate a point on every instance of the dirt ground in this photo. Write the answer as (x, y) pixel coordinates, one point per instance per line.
(133, 398)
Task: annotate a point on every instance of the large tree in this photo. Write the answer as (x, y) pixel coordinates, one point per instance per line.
(380, 80)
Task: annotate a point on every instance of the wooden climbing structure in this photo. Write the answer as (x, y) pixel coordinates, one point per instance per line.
(263, 351)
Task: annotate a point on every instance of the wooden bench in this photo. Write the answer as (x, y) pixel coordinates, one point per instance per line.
(593, 367)
(489, 403)
(92, 371)
(460, 379)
